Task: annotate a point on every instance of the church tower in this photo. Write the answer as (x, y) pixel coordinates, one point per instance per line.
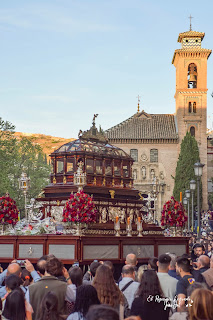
(191, 93)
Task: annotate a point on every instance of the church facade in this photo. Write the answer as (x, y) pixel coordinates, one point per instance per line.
(153, 140)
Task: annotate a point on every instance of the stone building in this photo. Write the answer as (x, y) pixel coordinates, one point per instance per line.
(153, 140)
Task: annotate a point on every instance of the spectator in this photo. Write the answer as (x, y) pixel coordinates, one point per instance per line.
(86, 296)
(198, 250)
(14, 268)
(131, 260)
(49, 282)
(144, 305)
(202, 306)
(152, 264)
(15, 308)
(208, 274)
(183, 269)
(172, 267)
(141, 270)
(184, 315)
(108, 291)
(76, 276)
(128, 285)
(90, 274)
(48, 309)
(40, 266)
(203, 264)
(102, 312)
(26, 278)
(168, 284)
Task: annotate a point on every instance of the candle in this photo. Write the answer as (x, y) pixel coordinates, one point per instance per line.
(180, 196)
(128, 220)
(139, 219)
(116, 219)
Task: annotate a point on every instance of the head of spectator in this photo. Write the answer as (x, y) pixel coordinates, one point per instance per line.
(110, 265)
(86, 296)
(108, 291)
(131, 259)
(12, 282)
(102, 312)
(49, 307)
(182, 266)
(152, 263)
(172, 265)
(128, 271)
(14, 268)
(163, 263)
(93, 267)
(202, 306)
(203, 262)
(198, 249)
(40, 266)
(194, 286)
(76, 276)
(141, 270)
(53, 267)
(14, 307)
(149, 285)
(26, 277)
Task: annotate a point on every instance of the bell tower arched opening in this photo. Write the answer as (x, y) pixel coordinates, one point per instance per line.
(192, 76)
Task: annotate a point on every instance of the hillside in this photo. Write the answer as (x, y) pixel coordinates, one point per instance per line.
(47, 143)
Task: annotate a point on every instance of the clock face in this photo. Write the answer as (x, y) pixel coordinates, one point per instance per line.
(191, 43)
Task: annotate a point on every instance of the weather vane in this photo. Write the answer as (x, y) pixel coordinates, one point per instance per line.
(190, 28)
(138, 103)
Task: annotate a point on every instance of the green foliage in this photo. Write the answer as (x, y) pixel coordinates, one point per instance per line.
(189, 154)
(16, 156)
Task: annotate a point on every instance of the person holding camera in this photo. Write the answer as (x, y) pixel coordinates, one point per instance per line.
(15, 269)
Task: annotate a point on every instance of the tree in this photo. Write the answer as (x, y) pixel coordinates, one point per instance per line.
(189, 154)
(16, 156)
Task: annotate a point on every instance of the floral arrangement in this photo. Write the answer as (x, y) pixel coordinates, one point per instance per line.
(173, 214)
(8, 210)
(80, 208)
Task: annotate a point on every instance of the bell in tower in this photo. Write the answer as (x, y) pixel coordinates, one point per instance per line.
(192, 76)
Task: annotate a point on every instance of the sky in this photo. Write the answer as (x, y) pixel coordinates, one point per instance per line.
(61, 61)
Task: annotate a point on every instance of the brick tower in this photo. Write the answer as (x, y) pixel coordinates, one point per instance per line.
(191, 94)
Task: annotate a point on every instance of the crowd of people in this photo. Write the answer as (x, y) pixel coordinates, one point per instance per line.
(168, 287)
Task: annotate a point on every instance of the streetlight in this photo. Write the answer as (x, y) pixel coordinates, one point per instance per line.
(24, 184)
(198, 167)
(192, 188)
(187, 194)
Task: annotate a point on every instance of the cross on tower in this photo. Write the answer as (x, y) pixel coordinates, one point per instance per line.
(138, 103)
(190, 28)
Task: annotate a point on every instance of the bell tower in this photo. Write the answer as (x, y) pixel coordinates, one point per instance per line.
(191, 93)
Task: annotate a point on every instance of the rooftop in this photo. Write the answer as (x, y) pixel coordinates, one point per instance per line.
(145, 126)
(191, 34)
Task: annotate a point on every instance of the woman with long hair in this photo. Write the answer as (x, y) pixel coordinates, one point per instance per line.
(14, 308)
(148, 303)
(201, 306)
(12, 284)
(49, 308)
(108, 291)
(86, 296)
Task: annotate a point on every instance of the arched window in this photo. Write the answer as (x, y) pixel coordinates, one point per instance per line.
(192, 131)
(190, 107)
(154, 155)
(192, 76)
(134, 154)
(194, 107)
